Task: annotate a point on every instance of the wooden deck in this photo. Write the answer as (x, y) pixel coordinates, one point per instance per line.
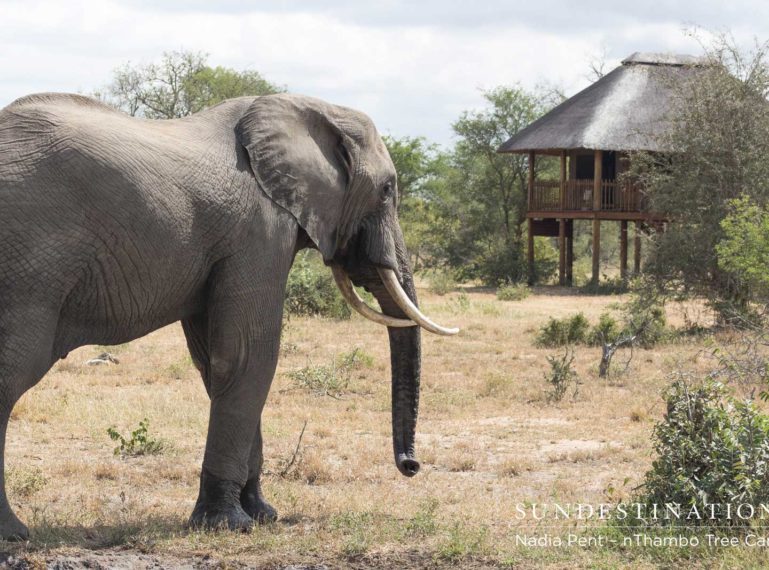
(575, 199)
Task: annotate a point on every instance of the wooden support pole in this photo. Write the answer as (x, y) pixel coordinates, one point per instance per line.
(597, 179)
(562, 251)
(532, 164)
(570, 255)
(637, 249)
(623, 249)
(530, 252)
(563, 180)
(596, 251)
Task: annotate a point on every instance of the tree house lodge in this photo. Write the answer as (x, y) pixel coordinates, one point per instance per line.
(594, 133)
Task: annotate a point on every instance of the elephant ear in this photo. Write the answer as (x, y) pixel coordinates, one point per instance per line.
(301, 160)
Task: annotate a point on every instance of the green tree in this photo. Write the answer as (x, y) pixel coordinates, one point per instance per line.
(180, 84)
(482, 200)
(743, 252)
(420, 166)
(720, 130)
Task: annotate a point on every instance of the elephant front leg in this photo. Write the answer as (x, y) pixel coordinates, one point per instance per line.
(251, 498)
(238, 374)
(225, 465)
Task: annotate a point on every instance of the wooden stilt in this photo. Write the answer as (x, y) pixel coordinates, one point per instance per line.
(596, 251)
(530, 252)
(597, 180)
(597, 188)
(562, 251)
(570, 254)
(530, 241)
(637, 249)
(563, 180)
(532, 164)
(623, 249)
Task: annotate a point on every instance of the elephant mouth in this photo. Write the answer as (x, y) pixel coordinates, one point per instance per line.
(394, 288)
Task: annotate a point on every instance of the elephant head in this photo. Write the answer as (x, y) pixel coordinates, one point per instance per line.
(329, 168)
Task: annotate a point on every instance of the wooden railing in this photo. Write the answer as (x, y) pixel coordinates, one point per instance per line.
(547, 195)
(615, 196)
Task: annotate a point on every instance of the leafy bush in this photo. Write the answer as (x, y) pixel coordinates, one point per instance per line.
(441, 282)
(561, 375)
(321, 379)
(712, 449)
(311, 289)
(355, 359)
(561, 332)
(332, 379)
(744, 249)
(512, 292)
(606, 286)
(607, 330)
(506, 262)
(138, 443)
(646, 318)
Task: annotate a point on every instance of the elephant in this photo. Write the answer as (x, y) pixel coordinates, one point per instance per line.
(113, 226)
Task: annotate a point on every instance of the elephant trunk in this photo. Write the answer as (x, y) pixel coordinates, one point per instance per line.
(405, 361)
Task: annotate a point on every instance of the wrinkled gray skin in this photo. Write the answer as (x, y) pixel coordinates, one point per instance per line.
(112, 227)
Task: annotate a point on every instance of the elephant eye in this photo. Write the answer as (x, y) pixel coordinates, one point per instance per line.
(387, 191)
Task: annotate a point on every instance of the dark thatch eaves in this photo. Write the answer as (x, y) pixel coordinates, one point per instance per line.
(625, 110)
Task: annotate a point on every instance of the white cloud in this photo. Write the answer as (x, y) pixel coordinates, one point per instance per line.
(413, 66)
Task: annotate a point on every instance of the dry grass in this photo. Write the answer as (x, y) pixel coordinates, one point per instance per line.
(487, 438)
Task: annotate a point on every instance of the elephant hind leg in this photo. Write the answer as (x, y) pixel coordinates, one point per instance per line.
(26, 354)
(11, 528)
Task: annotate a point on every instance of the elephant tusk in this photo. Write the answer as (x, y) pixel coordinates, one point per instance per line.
(352, 297)
(390, 281)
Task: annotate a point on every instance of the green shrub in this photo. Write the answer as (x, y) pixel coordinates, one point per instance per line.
(355, 359)
(140, 442)
(513, 292)
(321, 379)
(562, 332)
(607, 330)
(332, 379)
(648, 320)
(311, 289)
(712, 449)
(606, 286)
(561, 375)
(441, 282)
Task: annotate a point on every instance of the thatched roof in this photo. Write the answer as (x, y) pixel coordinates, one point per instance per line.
(624, 110)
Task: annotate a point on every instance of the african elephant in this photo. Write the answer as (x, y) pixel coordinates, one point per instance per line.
(113, 226)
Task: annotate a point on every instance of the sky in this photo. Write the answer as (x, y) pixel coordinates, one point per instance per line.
(414, 67)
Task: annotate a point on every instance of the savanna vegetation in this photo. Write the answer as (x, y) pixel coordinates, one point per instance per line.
(641, 393)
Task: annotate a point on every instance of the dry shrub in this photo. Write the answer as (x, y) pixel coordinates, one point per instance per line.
(312, 469)
(513, 467)
(495, 384)
(460, 461)
(25, 481)
(638, 415)
(107, 472)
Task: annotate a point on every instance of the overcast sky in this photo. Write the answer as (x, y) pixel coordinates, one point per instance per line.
(413, 66)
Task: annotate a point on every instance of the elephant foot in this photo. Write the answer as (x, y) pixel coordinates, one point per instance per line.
(13, 530)
(254, 505)
(218, 506)
(233, 518)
